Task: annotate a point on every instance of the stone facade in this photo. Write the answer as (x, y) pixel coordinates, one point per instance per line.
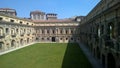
(100, 31)
(8, 11)
(57, 31)
(16, 32)
(37, 15)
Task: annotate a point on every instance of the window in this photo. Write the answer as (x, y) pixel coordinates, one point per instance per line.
(110, 30)
(42, 31)
(27, 23)
(60, 31)
(53, 31)
(17, 30)
(7, 30)
(71, 31)
(98, 32)
(1, 18)
(24, 30)
(66, 32)
(66, 38)
(71, 38)
(48, 31)
(42, 38)
(47, 38)
(11, 20)
(1, 33)
(1, 45)
(21, 22)
(12, 31)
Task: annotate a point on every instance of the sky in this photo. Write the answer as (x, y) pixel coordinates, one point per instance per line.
(64, 8)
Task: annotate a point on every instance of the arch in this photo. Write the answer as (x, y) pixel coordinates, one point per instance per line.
(111, 61)
(98, 52)
(13, 43)
(1, 45)
(103, 60)
(28, 40)
(53, 39)
(94, 51)
(21, 41)
(110, 29)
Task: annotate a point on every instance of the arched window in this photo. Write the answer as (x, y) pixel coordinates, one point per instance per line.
(110, 30)
(12, 43)
(98, 32)
(1, 45)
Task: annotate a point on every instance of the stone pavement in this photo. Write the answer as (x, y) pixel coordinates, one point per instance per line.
(88, 54)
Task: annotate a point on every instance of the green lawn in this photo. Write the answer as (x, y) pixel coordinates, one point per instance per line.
(46, 55)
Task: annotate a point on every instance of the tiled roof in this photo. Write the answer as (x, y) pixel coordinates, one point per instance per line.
(53, 21)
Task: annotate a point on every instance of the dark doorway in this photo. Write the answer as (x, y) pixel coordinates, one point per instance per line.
(103, 60)
(53, 39)
(98, 53)
(111, 61)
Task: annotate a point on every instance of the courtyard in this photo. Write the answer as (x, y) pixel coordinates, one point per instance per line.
(46, 55)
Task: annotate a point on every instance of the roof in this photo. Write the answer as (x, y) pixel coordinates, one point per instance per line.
(51, 14)
(37, 12)
(54, 21)
(25, 19)
(6, 9)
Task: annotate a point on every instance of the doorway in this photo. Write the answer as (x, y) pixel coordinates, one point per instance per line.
(53, 39)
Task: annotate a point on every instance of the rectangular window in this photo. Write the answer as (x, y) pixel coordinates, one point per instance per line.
(66, 32)
(53, 31)
(17, 30)
(60, 31)
(71, 31)
(42, 31)
(7, 30)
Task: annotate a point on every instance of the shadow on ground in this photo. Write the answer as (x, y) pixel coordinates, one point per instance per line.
(74, 57)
